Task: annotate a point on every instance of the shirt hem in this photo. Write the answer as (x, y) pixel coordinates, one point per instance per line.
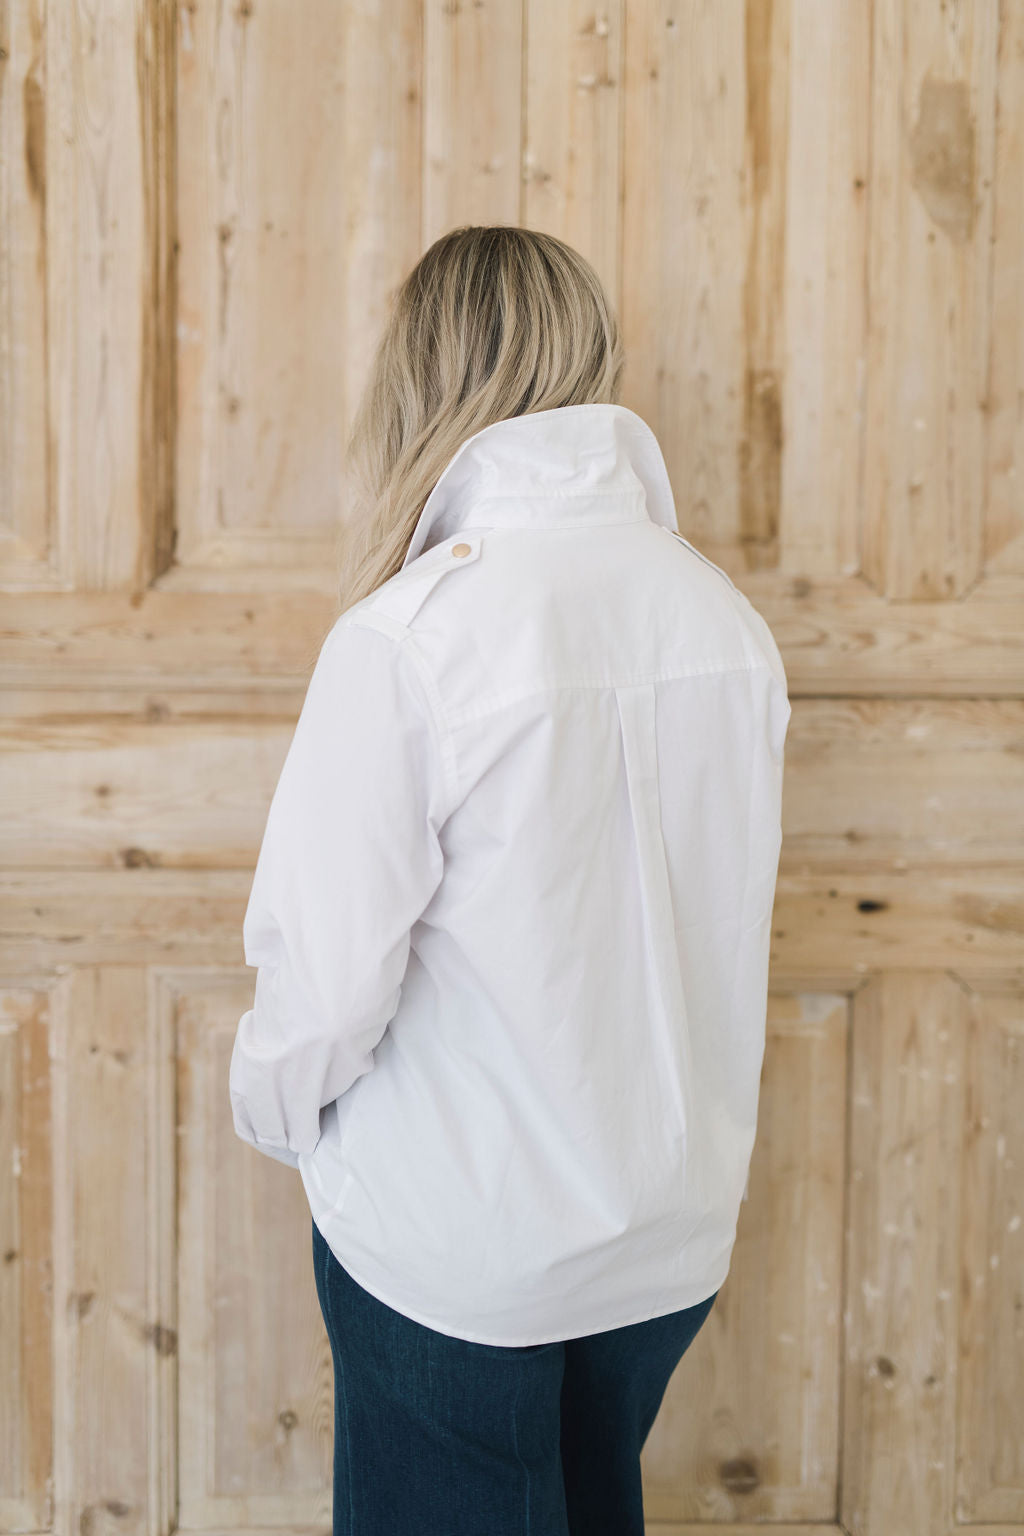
(515, 1343)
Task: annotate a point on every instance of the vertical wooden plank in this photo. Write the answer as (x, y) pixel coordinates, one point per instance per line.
(118, 1443)
(261, 327)
(473, 83)
(255, 1387)
(903, 1259)
(26, 1261)
(766, 61)
(296, 223)
(574, 98)
(98, 283)
(381, 183)
(930, 220)
(825, 298)
(26, 548)
(156, 69)
(990, 1427)
(1004, 529)
(749, 1429)
(61, 290)
(162, 1243)
(685, 248)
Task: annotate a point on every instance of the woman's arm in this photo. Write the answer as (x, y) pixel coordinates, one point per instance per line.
(349, 860)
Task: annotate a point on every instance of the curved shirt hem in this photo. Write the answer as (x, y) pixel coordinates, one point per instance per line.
(514, 1343)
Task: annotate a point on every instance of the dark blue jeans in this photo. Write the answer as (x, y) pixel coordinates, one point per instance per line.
(437, 1436)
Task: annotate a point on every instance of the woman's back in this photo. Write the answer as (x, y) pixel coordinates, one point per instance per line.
(552, 1134)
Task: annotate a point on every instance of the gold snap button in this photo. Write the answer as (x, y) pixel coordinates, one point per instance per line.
(461, 549)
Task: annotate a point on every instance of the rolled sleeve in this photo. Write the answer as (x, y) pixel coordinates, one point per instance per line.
(349, 860)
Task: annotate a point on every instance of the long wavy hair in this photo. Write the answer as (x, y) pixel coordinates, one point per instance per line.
(493, 321)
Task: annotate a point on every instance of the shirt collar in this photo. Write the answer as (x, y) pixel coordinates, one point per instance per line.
(576, 464)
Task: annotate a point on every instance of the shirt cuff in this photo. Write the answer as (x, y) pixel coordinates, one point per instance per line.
(281, 1154)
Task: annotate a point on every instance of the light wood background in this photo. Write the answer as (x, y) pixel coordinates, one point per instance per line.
(810, 214)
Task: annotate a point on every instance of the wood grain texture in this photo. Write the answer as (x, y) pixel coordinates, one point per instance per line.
(24, 449)
(100, 312)
(749, 1429)
(832, 928)
(572, 159)
(473, 72)
(929, 308)
(27, 1410)
(870, 785)
(837, 638)
(114, 1289)
(685, 244)
(809, 215)
(990, 1467)
(766, 36)
(902, 1281)
(296, 220)
(1004, 459)
(254, 1369)
(824, 295)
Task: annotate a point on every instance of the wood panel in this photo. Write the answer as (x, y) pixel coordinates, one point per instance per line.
(24, 493)
(572, 156)
(297, 210)
(27, 1270)
(830, 928)
(255, 1389)
(872, 786)
(685, 242)
(116, 1336)
(989, 1474)
(824, 296)
(83, 277)
(749, 1430)
(472, 114)
(929, 264)
(1003, 521)
(906, 1150)
(810, 216)
(837, 639)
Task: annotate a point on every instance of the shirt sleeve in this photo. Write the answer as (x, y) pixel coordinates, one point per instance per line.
(350, 858)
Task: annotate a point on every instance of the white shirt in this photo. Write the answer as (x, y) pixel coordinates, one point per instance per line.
(511, 909)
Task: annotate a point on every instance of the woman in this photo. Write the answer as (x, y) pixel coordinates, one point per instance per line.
(511, 919)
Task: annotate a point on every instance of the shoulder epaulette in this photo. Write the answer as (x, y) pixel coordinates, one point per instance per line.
(697, 552)
(400, 598)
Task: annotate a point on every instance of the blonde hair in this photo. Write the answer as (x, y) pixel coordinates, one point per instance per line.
(493, 321)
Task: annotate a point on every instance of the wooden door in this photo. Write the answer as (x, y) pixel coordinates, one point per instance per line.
(810, 214)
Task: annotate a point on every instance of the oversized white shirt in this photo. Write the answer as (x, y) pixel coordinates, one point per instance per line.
(511, 912)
